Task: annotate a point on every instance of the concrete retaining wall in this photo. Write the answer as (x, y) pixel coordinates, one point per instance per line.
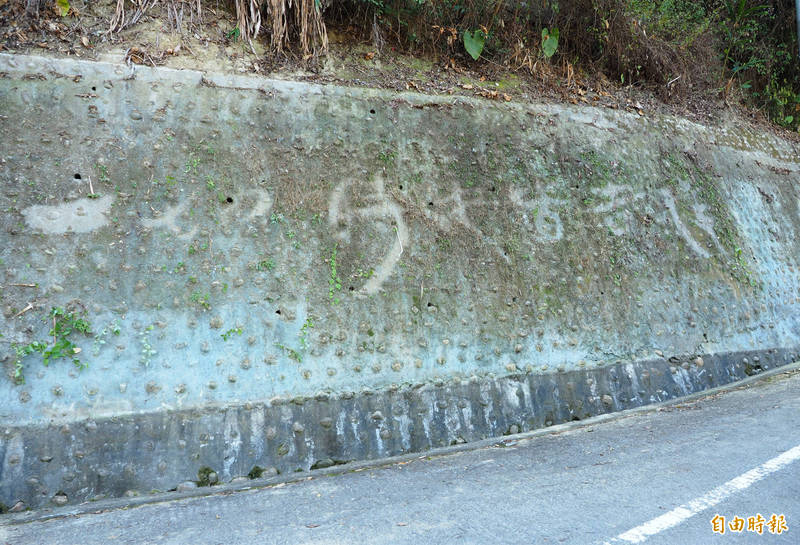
(286, 275)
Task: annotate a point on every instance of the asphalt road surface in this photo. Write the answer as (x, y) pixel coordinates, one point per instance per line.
(655, 478)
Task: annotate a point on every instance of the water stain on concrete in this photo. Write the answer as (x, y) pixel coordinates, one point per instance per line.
(79, 216)
(169, 220)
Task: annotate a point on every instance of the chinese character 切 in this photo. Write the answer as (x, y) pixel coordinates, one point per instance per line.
(756, 524)
(718, 524)
(736, 525)
(777, 524)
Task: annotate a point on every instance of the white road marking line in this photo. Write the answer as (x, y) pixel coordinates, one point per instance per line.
(710, 499)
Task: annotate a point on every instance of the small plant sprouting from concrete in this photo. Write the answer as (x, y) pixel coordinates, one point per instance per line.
(366, 274)
(206, 476)
(147, 351)
(232, 331)
(65, 323)
(102, 170)
(291, 352)
(197, 246)
(307, 326)
(201, 300)
(334, 282)
(191, 165)
(266, 264)
(100, 338)
(256, 472)
(387, 157)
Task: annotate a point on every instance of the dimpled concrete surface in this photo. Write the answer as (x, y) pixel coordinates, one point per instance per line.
(280, 274)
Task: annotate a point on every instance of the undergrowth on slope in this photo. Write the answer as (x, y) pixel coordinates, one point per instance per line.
(727, 49)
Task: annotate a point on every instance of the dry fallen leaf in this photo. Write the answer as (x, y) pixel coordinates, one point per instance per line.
(467, 86)
(494, 95)
(369, 55)
(312, 525)
(85, 41)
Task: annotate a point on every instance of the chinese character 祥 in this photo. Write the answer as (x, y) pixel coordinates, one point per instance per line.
(756, 524)
(718, 524)
(777, 524)
(736, 525)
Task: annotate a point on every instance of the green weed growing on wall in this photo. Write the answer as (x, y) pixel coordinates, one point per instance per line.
(65, 324)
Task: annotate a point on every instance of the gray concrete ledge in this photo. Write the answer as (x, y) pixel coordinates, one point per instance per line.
(141, 455)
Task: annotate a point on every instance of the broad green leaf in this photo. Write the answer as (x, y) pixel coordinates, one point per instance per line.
(473, 43)
(549, 42)
(63, 7)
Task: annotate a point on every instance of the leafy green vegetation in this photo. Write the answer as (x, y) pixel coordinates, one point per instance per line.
(697, 49)
(201, 300)
(711, 49)
(64, 324)
(307, 326)
(233, 331)
(474, 42)
(265, 264)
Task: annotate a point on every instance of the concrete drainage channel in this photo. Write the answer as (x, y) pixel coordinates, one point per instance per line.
(235, 277)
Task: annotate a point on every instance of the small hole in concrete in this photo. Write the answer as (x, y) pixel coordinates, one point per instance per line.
(278, 311)
(229, 199)
(372, 112)
(94, 88)
(77, 176)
